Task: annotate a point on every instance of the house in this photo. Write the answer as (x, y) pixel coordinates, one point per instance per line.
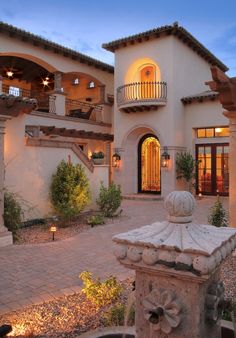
(153, 106)
(164, 106)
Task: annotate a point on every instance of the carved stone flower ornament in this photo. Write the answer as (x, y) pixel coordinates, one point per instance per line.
(162, 310)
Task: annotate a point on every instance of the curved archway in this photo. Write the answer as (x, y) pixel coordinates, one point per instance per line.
(149, 168)
(130, 143)
(34, 59)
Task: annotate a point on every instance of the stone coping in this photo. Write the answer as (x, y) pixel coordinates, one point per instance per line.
(180, 246)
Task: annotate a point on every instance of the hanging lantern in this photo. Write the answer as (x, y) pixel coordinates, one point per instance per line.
(116, 160)
(165, 158)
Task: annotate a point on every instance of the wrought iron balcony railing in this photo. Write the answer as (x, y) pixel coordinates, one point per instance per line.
(138, 92)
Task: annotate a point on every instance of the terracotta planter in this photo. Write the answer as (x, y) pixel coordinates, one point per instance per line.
(98, 161)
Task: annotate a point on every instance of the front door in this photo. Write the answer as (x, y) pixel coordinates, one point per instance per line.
(149, 171)
(213, 169)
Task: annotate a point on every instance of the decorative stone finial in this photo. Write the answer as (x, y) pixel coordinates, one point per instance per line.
(180, 206)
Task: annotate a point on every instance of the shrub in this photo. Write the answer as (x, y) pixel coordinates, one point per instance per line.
(13, 213)
(69, 191)
(100, 292)
(115, 315)
(95, 220)
(218, 215)
(109, 199)
(185, 167)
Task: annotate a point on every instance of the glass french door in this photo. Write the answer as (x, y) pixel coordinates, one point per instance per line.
(213, 169)
(149, 170)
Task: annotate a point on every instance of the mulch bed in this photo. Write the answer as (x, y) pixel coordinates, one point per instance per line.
(41, 233)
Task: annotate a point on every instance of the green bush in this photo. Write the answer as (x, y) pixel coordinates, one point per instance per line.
(109, 199)
(69, 190)
(115, 315)
(95, 220)
(185, 167)
(13, 213)
(100, 292)
(218, 215)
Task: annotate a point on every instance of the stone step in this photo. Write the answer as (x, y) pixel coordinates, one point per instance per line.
(143, 197)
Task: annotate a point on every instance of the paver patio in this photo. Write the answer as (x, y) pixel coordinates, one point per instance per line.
(36, 273)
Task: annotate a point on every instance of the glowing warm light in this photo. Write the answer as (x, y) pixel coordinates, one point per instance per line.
(218, 130)
(45, 82)
(18, 330)
(10, 73)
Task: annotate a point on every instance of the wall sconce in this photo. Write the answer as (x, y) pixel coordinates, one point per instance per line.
(116, 160)
(165, 158)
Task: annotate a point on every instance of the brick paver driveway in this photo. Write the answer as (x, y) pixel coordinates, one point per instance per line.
(35, 273)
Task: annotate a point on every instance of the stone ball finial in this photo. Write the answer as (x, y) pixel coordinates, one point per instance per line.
(180, 206)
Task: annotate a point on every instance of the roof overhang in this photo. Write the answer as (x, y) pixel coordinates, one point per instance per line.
(175, 30)
(41, 42)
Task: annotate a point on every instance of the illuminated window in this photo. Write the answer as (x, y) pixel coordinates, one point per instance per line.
(91, 84)
(14, 91)
(213, 132)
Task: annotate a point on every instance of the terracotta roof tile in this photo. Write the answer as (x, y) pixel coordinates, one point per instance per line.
(47, 44)
(206, 95)
(175, 30)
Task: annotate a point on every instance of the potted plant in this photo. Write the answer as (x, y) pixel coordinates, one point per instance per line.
(98, 157)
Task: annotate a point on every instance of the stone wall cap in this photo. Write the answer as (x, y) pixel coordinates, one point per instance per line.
(185, 245)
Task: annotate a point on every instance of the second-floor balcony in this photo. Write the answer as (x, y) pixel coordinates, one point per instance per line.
(141, 96)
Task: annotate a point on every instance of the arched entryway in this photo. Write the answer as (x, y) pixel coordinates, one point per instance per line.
(149, 168)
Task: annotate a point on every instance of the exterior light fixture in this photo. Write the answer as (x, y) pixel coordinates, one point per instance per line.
(165, 158)
(10, 73)
(116, 160)
(53, 229)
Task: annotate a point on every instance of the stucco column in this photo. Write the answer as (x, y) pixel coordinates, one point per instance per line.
(178, 291)
(232, 167)
(57, 81)
(5, 235)
(1, 81)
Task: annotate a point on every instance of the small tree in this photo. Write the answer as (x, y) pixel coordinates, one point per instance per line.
(218, 215)
(69, 191)
(185, 167)
(109, 199)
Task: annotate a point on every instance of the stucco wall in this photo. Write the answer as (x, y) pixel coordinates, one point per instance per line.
(13, 46)
(201, 115)
(29, 169)
(185, 73)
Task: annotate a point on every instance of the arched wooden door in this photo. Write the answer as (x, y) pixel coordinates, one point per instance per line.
(149, 169)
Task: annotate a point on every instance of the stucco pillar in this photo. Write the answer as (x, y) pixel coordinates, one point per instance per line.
(178, 291)
(5, 235)
(58, 97)
(232, 167)
(1, 82)
(58, 81)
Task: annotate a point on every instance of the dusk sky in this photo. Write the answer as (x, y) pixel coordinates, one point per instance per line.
(84, 25)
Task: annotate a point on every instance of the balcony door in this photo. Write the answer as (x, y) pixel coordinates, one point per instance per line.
(213, 169)
(147, 77)
(149, 171)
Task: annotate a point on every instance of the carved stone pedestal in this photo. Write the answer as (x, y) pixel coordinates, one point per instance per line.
(178, 292)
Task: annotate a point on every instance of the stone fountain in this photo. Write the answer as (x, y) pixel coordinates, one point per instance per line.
(178, 291)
